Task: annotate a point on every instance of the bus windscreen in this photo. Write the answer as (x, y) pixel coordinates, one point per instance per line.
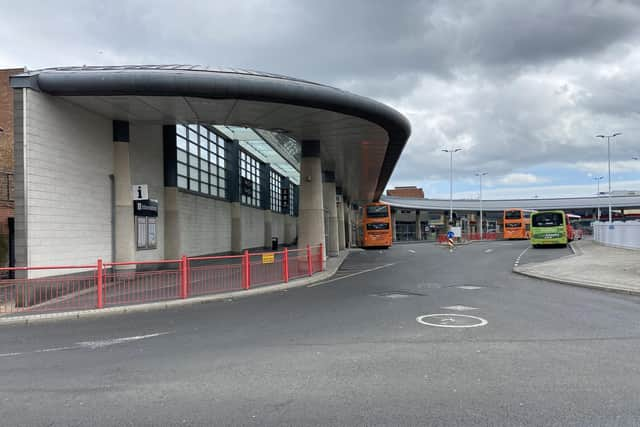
(512, 215)
(547, 219)
(380, 211)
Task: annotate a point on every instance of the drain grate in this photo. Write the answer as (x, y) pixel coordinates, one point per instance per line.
(397, 294)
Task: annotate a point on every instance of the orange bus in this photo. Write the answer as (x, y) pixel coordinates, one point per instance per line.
(516, 223)
(376, 225)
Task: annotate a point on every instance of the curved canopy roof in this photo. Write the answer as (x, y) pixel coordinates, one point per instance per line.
(500, 205)
(361, 139)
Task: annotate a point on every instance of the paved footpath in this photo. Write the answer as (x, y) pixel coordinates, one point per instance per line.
(593, 265)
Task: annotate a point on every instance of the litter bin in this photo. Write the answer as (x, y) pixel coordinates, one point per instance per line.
(274, 243)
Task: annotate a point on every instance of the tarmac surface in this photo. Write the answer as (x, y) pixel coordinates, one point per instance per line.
(413, 335)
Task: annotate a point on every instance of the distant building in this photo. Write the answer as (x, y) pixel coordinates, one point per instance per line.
(6, 162)
(409, 191)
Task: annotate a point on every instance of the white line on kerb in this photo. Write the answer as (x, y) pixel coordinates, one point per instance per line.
(351, 275)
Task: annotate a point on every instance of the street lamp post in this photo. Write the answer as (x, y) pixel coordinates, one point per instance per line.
(481, 174)
(451, 151)
(609, 160)
(597, 180)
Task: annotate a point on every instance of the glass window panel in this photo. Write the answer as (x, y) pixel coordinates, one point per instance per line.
(151, 227)
(182, 169)
(213, 148)
(214, 190)
(193, 148)
(204, 165)
(182, 156)
(141, 232)
(204, 177)
(221, 162)
(221, 182)
(193, 185)
(204, 142)
(204, 154)
(181, 130)
(214, 160)
(222, 193)
(181, 143)
(213, 179)
(182, 182)
(193, 172)
(193, 128)
(193, 160)
(202, 130)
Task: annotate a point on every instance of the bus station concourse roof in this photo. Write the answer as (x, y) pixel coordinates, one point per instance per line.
(360, 139)
(628, 202)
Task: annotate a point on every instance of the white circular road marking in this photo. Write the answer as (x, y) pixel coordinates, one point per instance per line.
(445, 320)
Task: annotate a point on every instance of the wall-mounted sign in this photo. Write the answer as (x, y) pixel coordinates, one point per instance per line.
(140, 192)
(145, 208)
(268, 258)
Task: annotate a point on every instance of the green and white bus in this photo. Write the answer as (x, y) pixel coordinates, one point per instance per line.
(550, 228)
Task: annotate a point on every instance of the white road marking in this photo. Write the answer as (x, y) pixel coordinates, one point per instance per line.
(459, 308)
(351, 275)
(469, 287)
(411, 251)
(106, 343)
(488, 251)
(517, 262)
(450, 318)
(92, 345)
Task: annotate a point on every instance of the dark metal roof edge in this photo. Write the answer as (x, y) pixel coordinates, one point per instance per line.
(213, 84)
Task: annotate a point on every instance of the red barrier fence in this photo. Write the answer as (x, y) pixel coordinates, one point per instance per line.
(121, 283)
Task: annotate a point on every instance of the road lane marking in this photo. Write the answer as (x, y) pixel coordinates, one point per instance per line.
(469, 287)
(488, 251)
(517, 262)
(449, 320)
(106, 343)
(91, 345)
(351, 275)
(411, 251)
(459, 308)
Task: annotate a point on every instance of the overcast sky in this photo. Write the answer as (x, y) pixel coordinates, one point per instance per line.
(522, 87)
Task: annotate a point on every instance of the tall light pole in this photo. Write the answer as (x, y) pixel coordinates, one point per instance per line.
(451, 151)
(481, 174)
(597, 180)
(609, 157)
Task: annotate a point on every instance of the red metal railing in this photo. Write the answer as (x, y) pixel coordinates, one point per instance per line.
(111, 284)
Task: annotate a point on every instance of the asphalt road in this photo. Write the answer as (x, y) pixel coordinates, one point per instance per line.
(348, 351)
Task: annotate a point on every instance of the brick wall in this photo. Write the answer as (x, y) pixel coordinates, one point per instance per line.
(6, 119)
(413, 192)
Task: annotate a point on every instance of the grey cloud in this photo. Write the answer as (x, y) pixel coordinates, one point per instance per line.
(496, 76)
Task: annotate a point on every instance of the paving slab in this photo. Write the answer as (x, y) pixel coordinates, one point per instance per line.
(592, 265)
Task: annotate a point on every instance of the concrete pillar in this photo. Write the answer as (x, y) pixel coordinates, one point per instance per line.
(418, 226)
(341, 230)
(331, 210)
(347, 223)
(268, 227)
(124, 228)
(236, 227)
(172, 247)
(310, 205)
(393, 224)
